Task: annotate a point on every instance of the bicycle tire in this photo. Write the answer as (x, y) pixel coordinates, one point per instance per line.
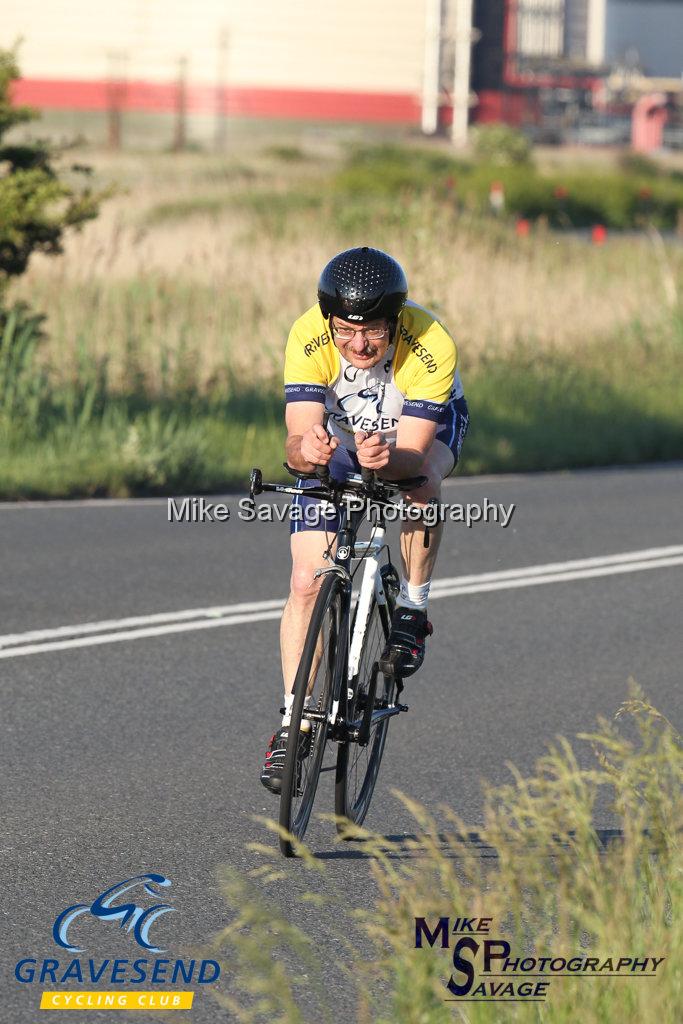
(353, 788)
(315, 679)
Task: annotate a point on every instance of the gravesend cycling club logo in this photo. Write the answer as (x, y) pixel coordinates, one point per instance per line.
(486, 969)
(133, 906)
(133, 918)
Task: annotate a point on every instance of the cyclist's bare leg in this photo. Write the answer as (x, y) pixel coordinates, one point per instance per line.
(417, 560)
(307, 549)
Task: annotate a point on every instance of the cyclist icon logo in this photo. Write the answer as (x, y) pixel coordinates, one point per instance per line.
(361, 399)
(133, 918)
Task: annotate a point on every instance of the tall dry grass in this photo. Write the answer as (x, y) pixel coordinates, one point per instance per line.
(554, 882)
(218, 260)
(167, 318)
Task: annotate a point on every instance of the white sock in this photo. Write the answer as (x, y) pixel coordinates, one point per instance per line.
(412, 596)
(287, 717)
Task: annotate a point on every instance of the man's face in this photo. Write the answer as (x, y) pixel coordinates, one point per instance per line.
(362, 346)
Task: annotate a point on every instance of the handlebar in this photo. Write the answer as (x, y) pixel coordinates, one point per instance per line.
(333, 490)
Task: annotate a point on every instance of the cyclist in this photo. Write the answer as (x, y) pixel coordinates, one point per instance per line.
(370, 381)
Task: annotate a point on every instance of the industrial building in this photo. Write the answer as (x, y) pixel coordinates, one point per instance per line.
(575, 68)
(547, 65)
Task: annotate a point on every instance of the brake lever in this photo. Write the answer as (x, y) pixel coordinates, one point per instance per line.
(255, 483)
(368, 478)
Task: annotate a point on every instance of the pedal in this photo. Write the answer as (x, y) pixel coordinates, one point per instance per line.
(307, 717)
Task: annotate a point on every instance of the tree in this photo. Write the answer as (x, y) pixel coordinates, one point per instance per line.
(36, 206)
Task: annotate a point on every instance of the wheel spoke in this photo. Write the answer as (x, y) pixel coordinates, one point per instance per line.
(358, 765)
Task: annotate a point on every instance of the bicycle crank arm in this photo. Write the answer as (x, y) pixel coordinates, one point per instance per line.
(364, 731)
(354, 732)
(314, 716)
(310, 715)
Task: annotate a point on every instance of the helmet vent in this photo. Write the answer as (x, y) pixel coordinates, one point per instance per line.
(364, 281)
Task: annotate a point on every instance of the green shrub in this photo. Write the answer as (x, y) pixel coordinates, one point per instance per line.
(389, 170)
(23, 384)
(501, 145)
(287, 153)
(618, 199)
(639, 165)
(36, 206)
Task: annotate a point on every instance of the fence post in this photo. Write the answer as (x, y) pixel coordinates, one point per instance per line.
(461, 76)
(116, 96)
(221, 133)
(180, 132)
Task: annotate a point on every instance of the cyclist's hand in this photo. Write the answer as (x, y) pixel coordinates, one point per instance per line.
(317, 446)
(372, 450)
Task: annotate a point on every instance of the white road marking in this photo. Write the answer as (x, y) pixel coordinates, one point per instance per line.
(90, 634)
(647, 554)
(138, 634)
(83, 628)
(559, 577)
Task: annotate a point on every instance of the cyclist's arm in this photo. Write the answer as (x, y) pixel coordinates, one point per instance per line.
(414, 438)
(306, 375)
(427, 390)
(304, 421)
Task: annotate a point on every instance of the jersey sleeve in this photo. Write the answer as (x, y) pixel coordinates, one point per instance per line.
(431, 382)
(305, 376)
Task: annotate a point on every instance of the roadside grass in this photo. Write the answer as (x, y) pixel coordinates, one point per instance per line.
(166, 321)
(97, 445)
(224, 271)
(177, 430)
(619, 404)
(532, 412)
(554, 884)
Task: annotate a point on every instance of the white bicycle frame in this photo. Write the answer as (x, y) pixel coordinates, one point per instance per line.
(371, 586)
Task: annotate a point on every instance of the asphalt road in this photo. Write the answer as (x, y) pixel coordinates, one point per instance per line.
(143, 753)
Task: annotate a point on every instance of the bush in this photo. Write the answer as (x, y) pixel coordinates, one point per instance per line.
(23, 386)
(638, 164)
(388, 170)
(501, 145)
(618, 199)
(36, 206)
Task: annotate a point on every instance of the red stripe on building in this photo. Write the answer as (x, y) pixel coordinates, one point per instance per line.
(236, 101)
(519, 107)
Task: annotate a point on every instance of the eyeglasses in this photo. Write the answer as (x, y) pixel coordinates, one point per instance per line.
(348, 333)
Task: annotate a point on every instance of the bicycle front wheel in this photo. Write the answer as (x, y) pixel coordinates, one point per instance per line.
(308, 731)
(358, 766)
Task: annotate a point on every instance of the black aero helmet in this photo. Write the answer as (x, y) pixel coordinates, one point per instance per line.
(362, 284)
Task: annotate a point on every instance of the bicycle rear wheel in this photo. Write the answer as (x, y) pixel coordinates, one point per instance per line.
(313, 694)
(358, 766)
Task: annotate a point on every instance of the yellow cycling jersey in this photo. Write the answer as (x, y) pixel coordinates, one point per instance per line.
(418, 375)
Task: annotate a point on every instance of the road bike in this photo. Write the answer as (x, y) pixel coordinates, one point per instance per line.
(340, 693)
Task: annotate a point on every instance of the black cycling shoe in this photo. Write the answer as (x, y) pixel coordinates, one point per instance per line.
(274, 766)
(405, 648)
